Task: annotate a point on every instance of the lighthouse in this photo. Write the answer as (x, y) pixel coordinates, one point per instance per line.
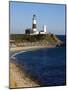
(34, 25)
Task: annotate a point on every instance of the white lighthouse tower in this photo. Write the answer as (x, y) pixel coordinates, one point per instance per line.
(34, 25)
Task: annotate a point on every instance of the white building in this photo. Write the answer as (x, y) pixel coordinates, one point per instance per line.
(44, 30)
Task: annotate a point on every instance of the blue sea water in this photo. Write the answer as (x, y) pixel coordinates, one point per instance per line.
(62, 37)
(47, 65)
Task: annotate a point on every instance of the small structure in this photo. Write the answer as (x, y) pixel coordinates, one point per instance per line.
(28, 31)
(44, 30)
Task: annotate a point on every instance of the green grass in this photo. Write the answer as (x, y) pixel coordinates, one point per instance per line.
(33, 38)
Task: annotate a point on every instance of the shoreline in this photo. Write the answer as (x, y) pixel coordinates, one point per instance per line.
(18, 50)
(18, 77)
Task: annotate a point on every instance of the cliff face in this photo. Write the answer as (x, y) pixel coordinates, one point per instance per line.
(47, 39)
(50, 39)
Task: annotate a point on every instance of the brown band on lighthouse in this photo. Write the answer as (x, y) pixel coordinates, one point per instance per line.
(34, 26)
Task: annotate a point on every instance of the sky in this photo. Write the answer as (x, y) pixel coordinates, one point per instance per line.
(51, 15)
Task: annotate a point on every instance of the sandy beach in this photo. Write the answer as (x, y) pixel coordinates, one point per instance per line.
(28, 48)
(18, 77)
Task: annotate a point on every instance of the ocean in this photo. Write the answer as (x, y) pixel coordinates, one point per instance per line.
(47, 65)
(62, 37)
